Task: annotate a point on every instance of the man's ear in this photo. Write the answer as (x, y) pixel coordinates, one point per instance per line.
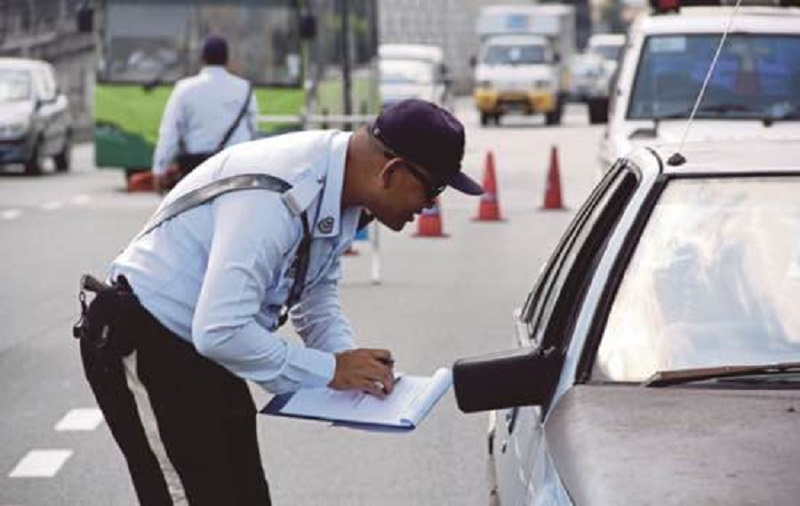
(387, 173)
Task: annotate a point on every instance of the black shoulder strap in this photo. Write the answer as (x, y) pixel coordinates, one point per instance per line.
(238, 119)
(212, 190)
(243, 182)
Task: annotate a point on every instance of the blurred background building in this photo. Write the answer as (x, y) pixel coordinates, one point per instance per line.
(47, 30)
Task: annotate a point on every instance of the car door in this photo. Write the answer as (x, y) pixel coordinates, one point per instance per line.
(546, 320)
(52, 112)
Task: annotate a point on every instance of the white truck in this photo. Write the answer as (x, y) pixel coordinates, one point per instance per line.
(522, 61)
(414, 71)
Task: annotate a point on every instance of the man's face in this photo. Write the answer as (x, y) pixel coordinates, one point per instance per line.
(405, 194)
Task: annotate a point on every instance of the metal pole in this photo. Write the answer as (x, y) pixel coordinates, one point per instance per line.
(346, 84)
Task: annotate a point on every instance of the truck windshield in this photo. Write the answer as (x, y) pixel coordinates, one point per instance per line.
(755, 75)
(406, 72)
(15, 85)
(515, 55)
(148, 41)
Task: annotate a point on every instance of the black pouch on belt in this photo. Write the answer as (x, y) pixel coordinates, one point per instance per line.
(107, 322)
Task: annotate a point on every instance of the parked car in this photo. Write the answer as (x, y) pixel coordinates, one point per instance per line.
(659, 350)
(753, 92)
(34, 116)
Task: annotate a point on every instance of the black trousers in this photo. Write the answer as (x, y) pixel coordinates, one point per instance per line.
(186, 425)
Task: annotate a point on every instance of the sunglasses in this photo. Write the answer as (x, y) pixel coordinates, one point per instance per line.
(432, 191)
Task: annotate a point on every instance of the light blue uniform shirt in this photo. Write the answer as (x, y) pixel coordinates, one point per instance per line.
(216, 275)
(199, 112)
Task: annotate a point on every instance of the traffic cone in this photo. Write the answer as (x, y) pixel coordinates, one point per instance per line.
(489, 206)
(429, 222)
(552, 195)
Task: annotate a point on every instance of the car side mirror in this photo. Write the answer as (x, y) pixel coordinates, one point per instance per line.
(518, 377)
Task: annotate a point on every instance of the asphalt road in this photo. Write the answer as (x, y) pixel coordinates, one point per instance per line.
(438, 299)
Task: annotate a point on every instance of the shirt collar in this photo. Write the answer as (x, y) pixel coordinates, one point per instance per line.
(330, 214)
(214, 70)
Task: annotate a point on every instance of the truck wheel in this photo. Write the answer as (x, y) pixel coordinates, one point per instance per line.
(62, 159)
(484, 119)
(554, 117)
(33, 166)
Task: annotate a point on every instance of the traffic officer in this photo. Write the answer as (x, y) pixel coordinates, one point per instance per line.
(212, 282)
(204, 113)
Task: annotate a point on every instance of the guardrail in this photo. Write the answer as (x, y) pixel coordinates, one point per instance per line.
(324, 120)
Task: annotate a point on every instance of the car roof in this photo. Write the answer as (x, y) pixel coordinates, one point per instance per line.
(411, 51)
(604, 39)
(724, 157)
(22, 63)
(517, 39)
(716, 19)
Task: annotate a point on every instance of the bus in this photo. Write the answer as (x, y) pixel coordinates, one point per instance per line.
(293, 51)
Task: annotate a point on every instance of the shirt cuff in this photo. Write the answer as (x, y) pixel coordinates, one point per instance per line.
(310, 367)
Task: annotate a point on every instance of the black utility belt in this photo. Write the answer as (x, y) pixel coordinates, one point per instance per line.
(109, 321)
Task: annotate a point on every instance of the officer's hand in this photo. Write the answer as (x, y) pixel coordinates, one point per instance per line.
(364, 369)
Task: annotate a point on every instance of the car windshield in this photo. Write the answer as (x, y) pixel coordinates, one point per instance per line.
(406, 72)
(610, 52)
(515, 54)
(15, 85)
(714, 280)
(755, 77)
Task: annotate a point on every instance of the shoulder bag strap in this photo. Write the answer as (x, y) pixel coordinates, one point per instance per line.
(243, 182)
(238, 119)
(212, 190)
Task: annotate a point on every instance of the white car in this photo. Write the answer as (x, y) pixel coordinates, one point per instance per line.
(753, 93)
(34, 116)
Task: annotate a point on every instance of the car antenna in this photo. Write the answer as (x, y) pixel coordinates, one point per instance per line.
(677, 158)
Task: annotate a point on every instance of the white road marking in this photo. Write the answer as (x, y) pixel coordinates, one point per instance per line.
(81, 419)
(80, 200)
(51, 206)
(40, 464)
(10, 214)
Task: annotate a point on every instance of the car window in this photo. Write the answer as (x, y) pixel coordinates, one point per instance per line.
(714, 280)
(757, 75)
(15, 85)
(553, 302)
(47, 84)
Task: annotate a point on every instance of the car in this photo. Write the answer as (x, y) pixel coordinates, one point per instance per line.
(35, 122)
(753, 91)
(414, 71)
(659, 349)
(606, 45)
(590, 75)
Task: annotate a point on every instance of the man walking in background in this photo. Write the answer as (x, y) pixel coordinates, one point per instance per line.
(205, 113)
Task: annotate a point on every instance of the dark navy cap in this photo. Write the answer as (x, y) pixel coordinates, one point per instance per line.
(429, 136)
(215, 50)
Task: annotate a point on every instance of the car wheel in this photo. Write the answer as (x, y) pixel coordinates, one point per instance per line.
(62, 160)
(598, 111)
(484, 119)
(33, 166)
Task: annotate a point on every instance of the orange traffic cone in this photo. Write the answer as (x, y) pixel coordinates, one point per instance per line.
(489, 207)
(552, 195)
(429, 222)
